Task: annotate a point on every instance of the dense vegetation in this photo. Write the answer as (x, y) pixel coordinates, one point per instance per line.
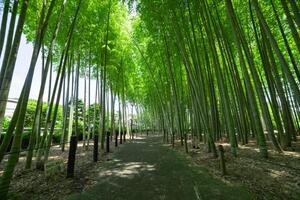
(199, 69)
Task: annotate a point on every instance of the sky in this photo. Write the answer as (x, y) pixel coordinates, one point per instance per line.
(21, 70)
(22, 67)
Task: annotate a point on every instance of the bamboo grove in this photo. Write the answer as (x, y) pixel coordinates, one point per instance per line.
(78, 40)
(194, 70)
(222, 69)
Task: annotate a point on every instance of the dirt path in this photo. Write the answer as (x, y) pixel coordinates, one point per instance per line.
(144, 169)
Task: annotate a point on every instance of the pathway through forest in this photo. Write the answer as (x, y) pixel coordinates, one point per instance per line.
(146, 169)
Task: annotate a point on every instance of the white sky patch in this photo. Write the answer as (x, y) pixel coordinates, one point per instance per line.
(21, 70)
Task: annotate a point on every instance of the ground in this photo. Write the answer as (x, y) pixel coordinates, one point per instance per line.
(275, 178)
(146, 169)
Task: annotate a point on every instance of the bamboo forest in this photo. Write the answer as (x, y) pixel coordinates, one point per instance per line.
(150, 99)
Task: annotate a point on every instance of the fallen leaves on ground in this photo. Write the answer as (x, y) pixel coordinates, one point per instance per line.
(277, 177)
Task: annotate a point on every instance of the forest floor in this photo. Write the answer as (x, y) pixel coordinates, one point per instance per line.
(147, 169)
(38, 185)
(275, 178)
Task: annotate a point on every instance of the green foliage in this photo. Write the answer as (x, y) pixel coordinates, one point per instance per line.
(93, 115)
(6, 122)
(30, 113)
(222, 69)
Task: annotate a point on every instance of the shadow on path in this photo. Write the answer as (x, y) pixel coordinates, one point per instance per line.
(144, 169)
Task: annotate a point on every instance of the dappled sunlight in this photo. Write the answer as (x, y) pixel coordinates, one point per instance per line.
(138, 142)
(127, 170)
(285, 153)
(139, 138)
(54, 157)
(116, 160)
(91, 91)
(292, 154)
(277, 173)
(81, 154)
(249, 148)
(21, 159)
